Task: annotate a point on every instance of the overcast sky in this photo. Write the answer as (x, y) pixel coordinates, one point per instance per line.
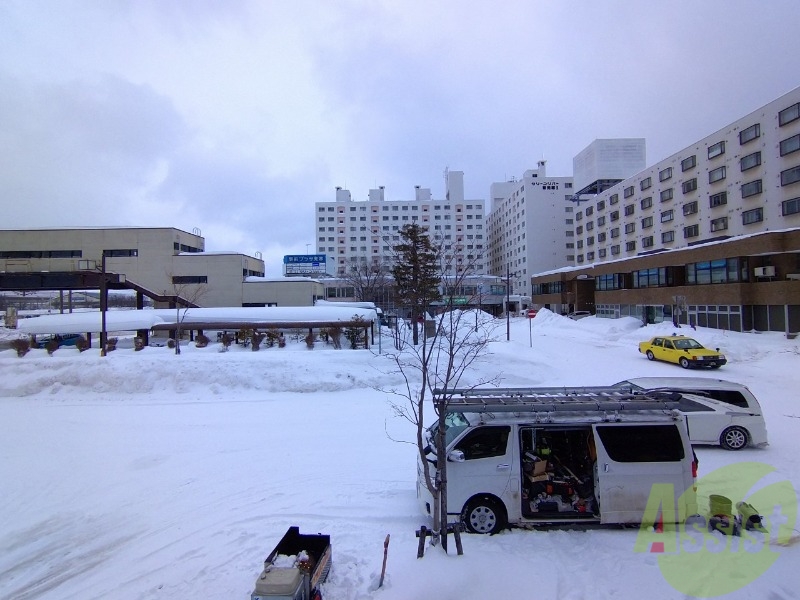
(235, 116)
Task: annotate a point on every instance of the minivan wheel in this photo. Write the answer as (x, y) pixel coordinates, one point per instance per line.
(733, 438)
(650, 355)
(684, 362)
(484, 515)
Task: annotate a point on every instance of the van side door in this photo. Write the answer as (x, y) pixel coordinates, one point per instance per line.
(631, 459)
(486, 466)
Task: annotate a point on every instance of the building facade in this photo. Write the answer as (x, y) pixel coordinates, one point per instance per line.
(529, 227)
(353, 233)
(742, 179)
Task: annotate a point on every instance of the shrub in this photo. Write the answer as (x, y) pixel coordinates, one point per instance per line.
(82, 344)
(271, 338)
(111, 344)
(281, 341)
(138, 343)
(171, 343)
(226, 341)
(51, 346)
(355, 334)
(336, 337)
(22, 346)
(256, 339)
(310, 339)
(201, 341)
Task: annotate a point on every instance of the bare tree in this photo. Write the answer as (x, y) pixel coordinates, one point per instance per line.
(441, 363)
(186, 296)
(369, 280)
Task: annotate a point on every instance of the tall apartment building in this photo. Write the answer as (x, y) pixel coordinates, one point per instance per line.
(363, 232)
(740, 180)
(530, 227)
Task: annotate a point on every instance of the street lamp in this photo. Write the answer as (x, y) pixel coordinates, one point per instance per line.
(508, 302)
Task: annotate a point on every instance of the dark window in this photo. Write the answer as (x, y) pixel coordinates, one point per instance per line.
(185, 279)
(787, 115)
(646, 202)
(642, 443)
(628, 191)
(750, 161)
(790, 176)
(716, 175)
(118, 253)
(690, 208)
(613, 199)
(667, 216)
(753, 216)
(665, 174)
(484, 442)
(667, 237)
(666, 194)
(691, 231)
(686, 405)
(720, 224)
(718, 199)
(645, 183)
(630, 246)
(629, 210)
(716, 150)
(614, 215)
(689, 186)
(688, 163)
(749, 134)
(751, 189)
(790, 207)
(647, 222)
(790, 145)
(647, 242)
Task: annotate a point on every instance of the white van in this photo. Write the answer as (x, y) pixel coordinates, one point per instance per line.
(556, 455)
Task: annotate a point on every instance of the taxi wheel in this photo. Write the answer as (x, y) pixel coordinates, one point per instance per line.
(684, 362)
(650, 355)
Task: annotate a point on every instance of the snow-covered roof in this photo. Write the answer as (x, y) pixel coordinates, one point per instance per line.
(132, 320)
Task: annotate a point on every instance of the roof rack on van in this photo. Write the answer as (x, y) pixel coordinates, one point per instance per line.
(551, 399)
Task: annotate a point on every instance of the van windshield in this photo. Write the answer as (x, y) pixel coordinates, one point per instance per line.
(454, 422)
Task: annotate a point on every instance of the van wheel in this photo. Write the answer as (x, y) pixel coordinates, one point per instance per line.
(650, 355)
(684, 362)
(733, 438)
(484, 515)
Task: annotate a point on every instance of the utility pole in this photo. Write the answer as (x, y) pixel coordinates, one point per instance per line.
(508, 304)
(103, 305)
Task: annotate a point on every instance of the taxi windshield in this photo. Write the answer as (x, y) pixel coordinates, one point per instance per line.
(687, 344)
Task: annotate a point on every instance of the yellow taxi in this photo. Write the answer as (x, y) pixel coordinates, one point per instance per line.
(683, 351)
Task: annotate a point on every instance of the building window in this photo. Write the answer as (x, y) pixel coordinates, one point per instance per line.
(717, 149)
(689, 186)
(667, 237)
(790, 145)
(750, 161)
(647, 222)
(601, 205)
(667, 216)
(715, 175)
(629, 210)
(690, 208)
(645, 183)
(189, 279)
(614, 215)
(749, 134)
(613, 199)
(790, 207)
(718, 199)
(630, 227)
(615, 250)
(590, 256)
(647, 242)
(691, 231)
(590, 240)
(579, 215)
(589, 210)
(689, 163)
(646, 202)
(787, 115)
(720, 224)
(601, 237)
(580, 243)
(755, 215)
(665, 174)
(601, 253)
(666, 195)
(790, 176)
(614, 232)
(630, 246)
(751, 189)
(579, 230)
(628, 192)
(589, 225)
(601, 221)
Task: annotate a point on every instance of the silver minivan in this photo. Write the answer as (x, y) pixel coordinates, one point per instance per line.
(536, 458)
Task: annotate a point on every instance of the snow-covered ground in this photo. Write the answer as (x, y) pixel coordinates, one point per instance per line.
(146, 475)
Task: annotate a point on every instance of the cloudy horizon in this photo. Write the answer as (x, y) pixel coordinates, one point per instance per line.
(235, 118)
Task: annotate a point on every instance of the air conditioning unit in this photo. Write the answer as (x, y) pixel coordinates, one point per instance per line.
(764, 271)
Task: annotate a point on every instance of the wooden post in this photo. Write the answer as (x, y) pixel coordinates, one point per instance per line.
(385, 554)
(422, 534)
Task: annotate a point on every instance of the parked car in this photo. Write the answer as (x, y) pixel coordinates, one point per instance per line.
(717, 411)
(579, 314)
(683, 351)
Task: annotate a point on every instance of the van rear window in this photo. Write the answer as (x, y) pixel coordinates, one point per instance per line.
(728, 396)
(642, 443)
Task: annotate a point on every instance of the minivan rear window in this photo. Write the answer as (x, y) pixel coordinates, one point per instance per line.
(728, 397)
(642, 443)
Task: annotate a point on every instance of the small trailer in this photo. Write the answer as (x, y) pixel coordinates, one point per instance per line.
(296, 568)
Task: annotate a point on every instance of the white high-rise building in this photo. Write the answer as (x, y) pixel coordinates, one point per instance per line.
(530, 227)
(363, 232)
